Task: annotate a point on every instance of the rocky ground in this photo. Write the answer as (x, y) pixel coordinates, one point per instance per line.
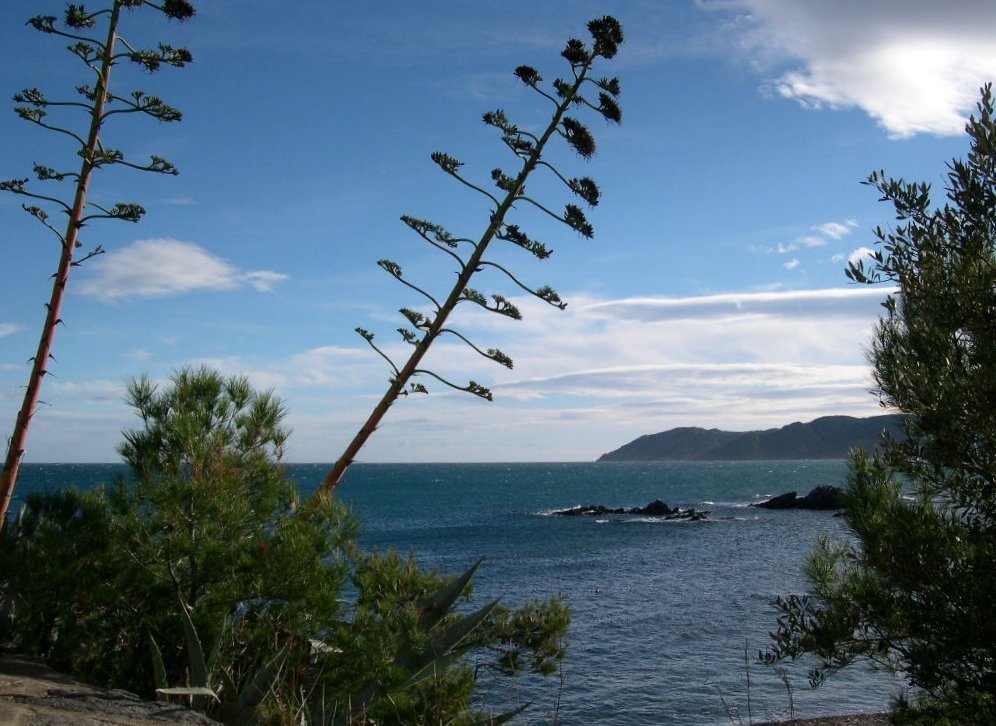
(32, 694)
(864, 719)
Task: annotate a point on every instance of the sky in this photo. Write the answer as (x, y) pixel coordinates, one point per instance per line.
(713, 293)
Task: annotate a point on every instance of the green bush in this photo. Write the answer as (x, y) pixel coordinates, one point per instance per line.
(913, 589)
(209, 549)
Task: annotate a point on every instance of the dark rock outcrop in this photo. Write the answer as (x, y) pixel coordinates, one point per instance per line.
(656, 508)
(822, 497)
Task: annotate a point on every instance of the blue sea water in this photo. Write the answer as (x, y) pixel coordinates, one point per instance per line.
(662, 610)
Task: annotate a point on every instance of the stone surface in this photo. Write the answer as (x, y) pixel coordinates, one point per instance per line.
(31, 694)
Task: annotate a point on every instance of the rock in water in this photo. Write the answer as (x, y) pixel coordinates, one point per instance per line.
(822, 497)
(656, 508)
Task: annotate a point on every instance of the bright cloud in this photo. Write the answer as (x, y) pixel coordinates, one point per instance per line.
(837, 230)
(628, 367)
(588, 379)
(792, 264)
(824, 233)
(914, 66)
(814, 304)
(862, 253)
(162, 267)
(7, 329)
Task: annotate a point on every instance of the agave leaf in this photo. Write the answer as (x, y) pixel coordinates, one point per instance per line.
(227, 687)
(212, 660)
(158, 667)
(501, 717)
(436, 665)
(259, 685)
(451, 637)
(195, 651)
(435, 607)
(197, 691)
(442, 650)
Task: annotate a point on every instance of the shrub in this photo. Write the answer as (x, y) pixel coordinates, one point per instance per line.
(208, 549)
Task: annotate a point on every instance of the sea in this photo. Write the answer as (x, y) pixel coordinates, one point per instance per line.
(668, 616)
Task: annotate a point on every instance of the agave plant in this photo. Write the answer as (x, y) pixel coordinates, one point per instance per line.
(99, 54)
(211, 688)
(579, 90)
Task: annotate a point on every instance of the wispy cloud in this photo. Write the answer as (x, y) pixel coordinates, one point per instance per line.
(792, 264)
(161, 267)
(914, 66)
(8, 329)
(837, 230)
(815, 304)
(824, 233)
(586, 379)
(618, 368)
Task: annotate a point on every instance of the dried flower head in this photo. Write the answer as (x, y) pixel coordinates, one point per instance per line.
(579, 137)
(576, 220)
(178, 9)
(528, 75)
(575, 52)
(609, 108)
(586, 189)
(607, 34)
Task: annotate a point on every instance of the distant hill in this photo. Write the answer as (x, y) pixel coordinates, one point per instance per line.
(830, 437)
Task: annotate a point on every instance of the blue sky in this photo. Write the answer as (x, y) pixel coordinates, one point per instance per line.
(712, 295)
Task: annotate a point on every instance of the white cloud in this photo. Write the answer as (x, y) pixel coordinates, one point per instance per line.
(792, 264)
(262, 280)
(8, 329)
(162, 267)
(913, 65)
(605, 371)
(818, 304)
(825, 232)
(586, 380)
(862, 253)
(837, 230)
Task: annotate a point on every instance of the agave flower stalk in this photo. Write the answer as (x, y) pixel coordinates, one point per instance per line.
(97, 102)
(528, 149)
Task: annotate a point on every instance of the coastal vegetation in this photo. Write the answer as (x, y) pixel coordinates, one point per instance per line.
(912, 589)
(98, 104)
(205, 578)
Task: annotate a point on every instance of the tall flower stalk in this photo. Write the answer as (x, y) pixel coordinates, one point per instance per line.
(469, 254)
(99, 54)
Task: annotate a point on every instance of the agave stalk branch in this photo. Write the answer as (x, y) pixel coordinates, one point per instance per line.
(492, 354)
(93, 156)
(25, 193)
(472, 387)
(546, 298)
(542, 208)
(399, 383)
(39, 367)
(473, 186)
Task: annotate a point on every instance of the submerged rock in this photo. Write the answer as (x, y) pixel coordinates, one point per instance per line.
(822, 497)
